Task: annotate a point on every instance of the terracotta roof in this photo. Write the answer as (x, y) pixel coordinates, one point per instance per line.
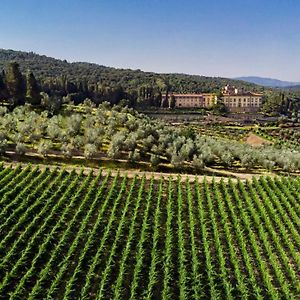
(191, 95)
(243, 94)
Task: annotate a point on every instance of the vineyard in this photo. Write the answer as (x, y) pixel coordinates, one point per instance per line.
(67, 235)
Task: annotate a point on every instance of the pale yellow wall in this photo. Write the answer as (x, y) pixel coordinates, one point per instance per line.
(242, 101)
(205, 100)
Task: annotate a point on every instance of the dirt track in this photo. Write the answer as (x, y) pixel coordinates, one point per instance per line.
(132, 173)
(256, 141)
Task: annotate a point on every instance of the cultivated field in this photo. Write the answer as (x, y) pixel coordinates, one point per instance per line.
(65, 235)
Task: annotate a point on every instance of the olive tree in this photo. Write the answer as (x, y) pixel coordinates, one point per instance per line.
(90, 150)
(154, 159)
(73, 125)
(198, 162)
(44, 147)
(134, 156)
(67, 150)
(21, 148)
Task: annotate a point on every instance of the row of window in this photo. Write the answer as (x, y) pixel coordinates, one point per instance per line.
(245, 102)
(189, 104)
(192, 99)
(240, 105)
(245, 99)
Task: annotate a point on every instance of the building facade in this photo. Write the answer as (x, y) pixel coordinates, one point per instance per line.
(235, 100)
(240, 101)
(204, 100)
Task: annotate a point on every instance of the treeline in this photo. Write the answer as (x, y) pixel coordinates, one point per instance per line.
(77, 81)
(17, 88)
(281, 102)
(61, 81)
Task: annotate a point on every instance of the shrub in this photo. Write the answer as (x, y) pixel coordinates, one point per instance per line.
(90, 150)
(21, 149)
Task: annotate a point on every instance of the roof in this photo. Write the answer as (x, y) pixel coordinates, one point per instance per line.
(190, 95)
(243, 94)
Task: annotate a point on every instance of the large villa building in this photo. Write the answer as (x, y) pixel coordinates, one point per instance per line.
(234, 99)
(193, 100)
(240, 101)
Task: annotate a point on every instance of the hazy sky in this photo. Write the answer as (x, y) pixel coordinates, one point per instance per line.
(206, 37)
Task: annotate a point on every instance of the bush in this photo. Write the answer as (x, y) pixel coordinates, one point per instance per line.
(3, 145)
(154, 159)
(21, 149)
(44, 147)
(89, 150)
(134, 156)
(198, 162)
(67, 150)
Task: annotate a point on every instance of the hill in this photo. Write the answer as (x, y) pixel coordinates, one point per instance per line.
(294, 88)
(132, 81)
(267, 82)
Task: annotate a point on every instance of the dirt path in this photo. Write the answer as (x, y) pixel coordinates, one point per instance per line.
(256, 141)
(148, 175)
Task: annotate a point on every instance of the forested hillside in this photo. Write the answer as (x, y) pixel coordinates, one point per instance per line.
(86, 80)
(59, 82)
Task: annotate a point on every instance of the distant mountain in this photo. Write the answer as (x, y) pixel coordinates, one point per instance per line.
(293, 89)
(268, 82)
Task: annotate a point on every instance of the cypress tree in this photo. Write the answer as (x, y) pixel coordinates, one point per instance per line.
(172, 102)
(15, 83)
(3, 89)
(165, 101)
(32, 89)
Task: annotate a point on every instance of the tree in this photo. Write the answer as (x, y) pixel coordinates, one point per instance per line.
(172, 102)
(14, 83)
(90, 150)
(118, 140)
(134, 156)
(131, 142)
(187, 149)
(165, 101)
(3, 90)
(3, 111)
(198, 162)
(274, 103)
(77, 142)
(53, 129)
(176, 159)
(154, 159)
(32, 89)
(44, 147)
(268, 164)
(113, 151)
(227, 158)
(74, 125)
(248, 160)
(219, 108)
(3, 144)
(148, 142)
(52, 103)
(67, 149)
(21, 148)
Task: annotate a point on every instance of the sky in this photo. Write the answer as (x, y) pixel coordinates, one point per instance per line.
(205, 37)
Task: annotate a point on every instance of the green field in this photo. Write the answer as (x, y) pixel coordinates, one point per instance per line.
(65, 235)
